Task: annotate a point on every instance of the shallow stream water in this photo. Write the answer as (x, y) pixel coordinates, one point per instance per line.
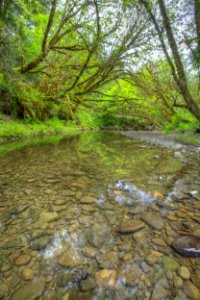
(94, 217)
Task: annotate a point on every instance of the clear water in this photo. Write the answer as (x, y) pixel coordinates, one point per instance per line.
(61, 207)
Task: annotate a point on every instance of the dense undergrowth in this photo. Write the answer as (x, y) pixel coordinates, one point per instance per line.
(67, 65)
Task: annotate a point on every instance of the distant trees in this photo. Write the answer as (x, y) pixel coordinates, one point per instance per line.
(58, 55)
(168, 41)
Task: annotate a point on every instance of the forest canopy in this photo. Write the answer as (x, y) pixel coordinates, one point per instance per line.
(134, 62)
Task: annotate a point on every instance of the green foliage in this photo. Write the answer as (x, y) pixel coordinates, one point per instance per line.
(182, 122)
(26, 128)
(77, 67)
(192, 139)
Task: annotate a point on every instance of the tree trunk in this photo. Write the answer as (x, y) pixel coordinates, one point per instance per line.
(182, 81)
(197, 20)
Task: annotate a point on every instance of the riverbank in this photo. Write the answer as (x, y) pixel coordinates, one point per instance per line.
(12, 130)
(16, 130)
(188, 141)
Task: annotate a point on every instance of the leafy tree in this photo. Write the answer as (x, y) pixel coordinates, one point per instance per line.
(174, 60)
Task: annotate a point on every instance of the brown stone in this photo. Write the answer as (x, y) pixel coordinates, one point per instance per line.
(187, 245)
(129, 276)
(191, 291)
(130, 226)
(27, 274)
(184, 273)
(106, 278)
(23, 259)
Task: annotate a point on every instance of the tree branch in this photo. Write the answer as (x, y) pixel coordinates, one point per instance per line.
(49, 24)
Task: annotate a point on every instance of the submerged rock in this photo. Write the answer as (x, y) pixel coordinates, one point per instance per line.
(153, 257)
(169, 263)
(98, 235)
(187, 245)
(30, 291)
(129, 275)
(177, 281)
(63, 278)
(108, 260)
(69, 259)
(191, 290)
(13, 243)
(184, 272)
(48, 216)
(27, 274)
(40, 243)
(88, 200)
(87, 284)
(152, 220)
(3, 290)
(106, 278)
(130, 226)
(160, 291)
(23, 259)
(89, 251)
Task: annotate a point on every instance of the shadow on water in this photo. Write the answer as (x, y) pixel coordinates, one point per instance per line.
(93, 216)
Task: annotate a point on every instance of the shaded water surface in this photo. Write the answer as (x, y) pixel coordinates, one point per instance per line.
(94, 217)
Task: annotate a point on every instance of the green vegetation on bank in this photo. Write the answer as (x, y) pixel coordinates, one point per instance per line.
(17, 129)
(189, 138)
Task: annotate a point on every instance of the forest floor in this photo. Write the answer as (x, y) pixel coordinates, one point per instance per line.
(188, 141)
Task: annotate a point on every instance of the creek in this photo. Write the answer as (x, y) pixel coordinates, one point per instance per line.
(95, 216)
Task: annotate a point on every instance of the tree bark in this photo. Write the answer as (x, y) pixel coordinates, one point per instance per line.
(197, 20)
(182, 81)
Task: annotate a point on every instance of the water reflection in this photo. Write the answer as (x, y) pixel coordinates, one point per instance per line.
(94, 203)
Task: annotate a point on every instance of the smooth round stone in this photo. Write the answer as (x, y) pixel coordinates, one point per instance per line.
(27, 274)
(160, 292)
(187, 245)
(89, 251)
(153, 220)
(106, 278)
(87, 207)
(31, 291)
(5, 267)
(129, 276)
(88, 200)
(3, 290)
(108, 260)
(130, 226)
(178, 282)
(63, 278)
(66, 296)
(153, 257)
(196, 279)
(191, 291)
(183, 272)
(23, 260)
(87, 284)
(158, 242)
(169, 263)
(127, 256)
(34, 253)
(69, 259)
